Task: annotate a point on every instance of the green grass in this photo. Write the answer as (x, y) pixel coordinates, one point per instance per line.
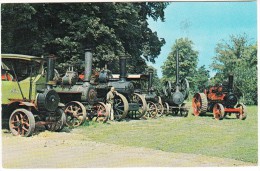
(229, 138)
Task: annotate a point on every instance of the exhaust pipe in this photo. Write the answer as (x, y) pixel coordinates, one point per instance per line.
(150, 81)
(50, 71)
(230, 83)
(88, 65)
(177, 68)
(122, 64)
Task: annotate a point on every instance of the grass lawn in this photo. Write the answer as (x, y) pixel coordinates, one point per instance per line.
(228, 138)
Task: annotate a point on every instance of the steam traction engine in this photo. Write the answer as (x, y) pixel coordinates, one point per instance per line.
(127, 103)
(154, 102)
(25, 96)
(220, 100)
(80, 97)
(175, 94)
(143, 85)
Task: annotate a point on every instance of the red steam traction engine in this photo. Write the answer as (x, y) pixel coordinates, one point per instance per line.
(220, 100)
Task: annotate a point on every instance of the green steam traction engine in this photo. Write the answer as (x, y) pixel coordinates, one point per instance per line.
(27, 94)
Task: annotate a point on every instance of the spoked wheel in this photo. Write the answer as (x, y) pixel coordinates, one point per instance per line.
(166, 108)
(152, 110)
(199, 104)
(102, 112)
(56, 121)
(140, 100)
(185, 87)
(75, 114)
(242, 114)
(120, 107)
(175, 112)
(184, 111)
(22, 123)
(218, 111)
(160, 107)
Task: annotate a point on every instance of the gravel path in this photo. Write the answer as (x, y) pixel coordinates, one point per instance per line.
(73, 150)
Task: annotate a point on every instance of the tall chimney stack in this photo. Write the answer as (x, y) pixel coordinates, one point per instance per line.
(50, 71)
(150, 81)
(122, 64)
(177, 68)
(230, 82)
(88, 65)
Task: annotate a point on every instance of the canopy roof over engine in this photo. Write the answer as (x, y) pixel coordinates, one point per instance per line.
(22, 57)
(132, 76)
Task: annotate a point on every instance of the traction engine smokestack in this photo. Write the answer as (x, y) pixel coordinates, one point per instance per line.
(150, 81)
(122, 64)
(88, 65)
(50, 71)
(230, 83)
(177, 71)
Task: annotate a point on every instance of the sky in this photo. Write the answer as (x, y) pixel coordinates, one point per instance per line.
(206, 24)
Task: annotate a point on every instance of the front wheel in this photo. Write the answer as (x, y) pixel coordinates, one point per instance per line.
(184, 111)
(102, 113)
(22, 123)
(160, 107)
(152, 110)
(242, 114)
(166, 108)
(75, 114)
(218, 111)
(56, 122)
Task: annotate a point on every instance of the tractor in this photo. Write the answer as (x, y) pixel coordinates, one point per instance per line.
(219, 99)
(28, 97)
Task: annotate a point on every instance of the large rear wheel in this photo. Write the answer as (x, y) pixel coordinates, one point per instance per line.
(22, 123)
(140, 100)
(199, 104)
(120, 107)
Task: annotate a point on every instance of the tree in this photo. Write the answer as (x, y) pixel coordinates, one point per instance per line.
(201, 79)
(188, 59)
(65, 29)
(238, 57)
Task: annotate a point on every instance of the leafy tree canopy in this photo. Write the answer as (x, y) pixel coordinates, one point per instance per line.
(66, 29)
(238, 57)
(188, 60)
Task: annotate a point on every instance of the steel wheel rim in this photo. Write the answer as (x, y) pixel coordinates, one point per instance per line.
(166, 106)
(242, 114)
(75, 114)
(196, 104)
(160, 107)
(184, 112)
(102, 112)
(199, 104)
(120, 107)
(57, 122)
(218, 111)
(137, 98)
(152, 110)
(22, 123)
